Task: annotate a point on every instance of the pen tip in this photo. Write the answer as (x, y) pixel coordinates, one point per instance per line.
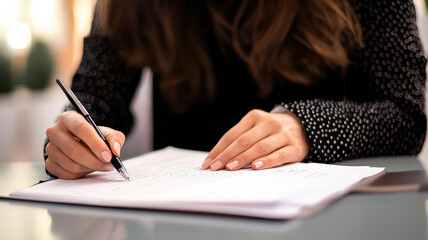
(124, 173)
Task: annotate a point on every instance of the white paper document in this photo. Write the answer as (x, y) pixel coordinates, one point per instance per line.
(172, 179)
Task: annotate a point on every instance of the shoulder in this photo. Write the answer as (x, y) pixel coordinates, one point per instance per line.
(386, 22)
(375, 12)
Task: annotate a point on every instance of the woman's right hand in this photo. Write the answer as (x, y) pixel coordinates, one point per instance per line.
(75, 149)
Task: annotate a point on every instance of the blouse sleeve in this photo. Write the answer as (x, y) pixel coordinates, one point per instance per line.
(383, 110)
(105, 83)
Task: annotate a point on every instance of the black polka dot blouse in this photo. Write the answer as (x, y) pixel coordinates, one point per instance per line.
(378, 109)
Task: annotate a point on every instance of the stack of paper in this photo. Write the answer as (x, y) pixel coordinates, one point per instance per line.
(172, 179)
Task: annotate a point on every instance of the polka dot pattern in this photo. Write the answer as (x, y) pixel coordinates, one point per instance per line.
(379, 111)
(383, 110)
(96, 84)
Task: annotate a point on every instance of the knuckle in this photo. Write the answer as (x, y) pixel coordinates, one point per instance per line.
(75, 168)
(52, 168)
(51, 132)
(224, 157)
(282, 156)
(62, 116)
(268, 162)
(243, 141)
(79, 125)
(73, 151)
(286, 130)
(228, 137)
(255, 113)
(49, 164)
(65, 116)
(262, 148)
(276, 123)
(49, 149)
(273, 122)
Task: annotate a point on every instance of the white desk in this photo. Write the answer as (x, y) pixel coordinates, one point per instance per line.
(356, 216)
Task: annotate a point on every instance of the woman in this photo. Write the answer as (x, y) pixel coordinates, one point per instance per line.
(349, 78)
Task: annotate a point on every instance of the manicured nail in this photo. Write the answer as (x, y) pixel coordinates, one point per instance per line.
(258, 164)
(106, 156)
(215, 166)
(233, 165)
(206, 163)
(117, 148)
(108, 167)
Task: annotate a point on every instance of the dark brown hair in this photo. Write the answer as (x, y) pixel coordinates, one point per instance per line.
(279, 40)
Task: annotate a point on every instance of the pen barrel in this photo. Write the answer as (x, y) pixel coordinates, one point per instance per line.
(89, 119)
(81, 110)
(116, 163)
(114, 160)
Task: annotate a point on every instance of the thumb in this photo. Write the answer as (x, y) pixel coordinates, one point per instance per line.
(115, 138)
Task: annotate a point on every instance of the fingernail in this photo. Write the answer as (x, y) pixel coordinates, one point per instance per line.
(106, 156)
(206, 163)
(108, 167)
(117, 148)
(233, 165)
(217, 165)
(258, 164)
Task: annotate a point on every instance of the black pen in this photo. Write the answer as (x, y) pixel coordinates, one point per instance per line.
(82, 110)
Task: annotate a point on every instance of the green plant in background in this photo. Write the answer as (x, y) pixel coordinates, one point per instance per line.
(6, 84)
(40, 66)
(426, 5)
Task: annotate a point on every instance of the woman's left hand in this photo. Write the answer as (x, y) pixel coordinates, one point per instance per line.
(263, 139)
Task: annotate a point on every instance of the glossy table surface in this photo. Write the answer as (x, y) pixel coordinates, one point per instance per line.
(355, 216)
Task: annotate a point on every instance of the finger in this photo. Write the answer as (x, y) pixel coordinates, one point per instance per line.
(115, 138)
(287, 154)
(75, 150)
(241, 144)
(262, 148)
(246, 123)
(79, 127)
(55, 154)
(56, 170)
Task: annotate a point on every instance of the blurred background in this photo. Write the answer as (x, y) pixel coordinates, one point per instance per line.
(41, 40)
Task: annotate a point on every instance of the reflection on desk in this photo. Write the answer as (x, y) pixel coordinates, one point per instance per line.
(123, 224)
(356, 216)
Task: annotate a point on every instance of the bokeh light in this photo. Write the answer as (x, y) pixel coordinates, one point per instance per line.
(19, 36)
